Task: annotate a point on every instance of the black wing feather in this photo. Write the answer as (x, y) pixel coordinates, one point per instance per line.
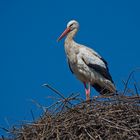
(99, 69)
(103, 71)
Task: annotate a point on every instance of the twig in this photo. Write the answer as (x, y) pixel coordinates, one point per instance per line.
(32, 115)
(115, 125)
(88, 134)
(38, 105)
(136, 89)
(128, 79)
(56, 91)
(5, 129)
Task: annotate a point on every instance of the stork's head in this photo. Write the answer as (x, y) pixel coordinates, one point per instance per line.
(72, 25)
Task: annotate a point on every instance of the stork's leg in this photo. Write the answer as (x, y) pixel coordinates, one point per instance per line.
(87, 90)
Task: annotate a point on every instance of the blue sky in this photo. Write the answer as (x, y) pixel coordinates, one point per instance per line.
(30, 55)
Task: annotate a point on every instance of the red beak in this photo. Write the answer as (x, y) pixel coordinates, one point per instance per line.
(67, 30)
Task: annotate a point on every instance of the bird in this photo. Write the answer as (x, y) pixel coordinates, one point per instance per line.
(87, 65)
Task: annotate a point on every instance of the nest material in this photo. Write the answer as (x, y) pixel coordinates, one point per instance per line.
(115, 118)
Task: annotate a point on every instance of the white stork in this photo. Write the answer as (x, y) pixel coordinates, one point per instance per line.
(88, 66)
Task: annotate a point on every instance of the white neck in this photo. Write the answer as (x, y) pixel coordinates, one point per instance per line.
(71, 35)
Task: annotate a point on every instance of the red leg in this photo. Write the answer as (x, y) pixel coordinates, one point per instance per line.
(87, 90)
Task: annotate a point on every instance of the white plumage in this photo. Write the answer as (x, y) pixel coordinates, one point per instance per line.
(88, 66)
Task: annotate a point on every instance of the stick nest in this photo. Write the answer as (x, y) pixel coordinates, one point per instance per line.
(113, 118)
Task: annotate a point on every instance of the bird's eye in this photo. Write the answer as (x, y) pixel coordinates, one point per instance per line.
(71, 25)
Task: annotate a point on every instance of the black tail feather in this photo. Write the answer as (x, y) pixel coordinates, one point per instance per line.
(102, 90)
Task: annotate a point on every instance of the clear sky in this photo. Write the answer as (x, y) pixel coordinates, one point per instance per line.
(30, 55)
